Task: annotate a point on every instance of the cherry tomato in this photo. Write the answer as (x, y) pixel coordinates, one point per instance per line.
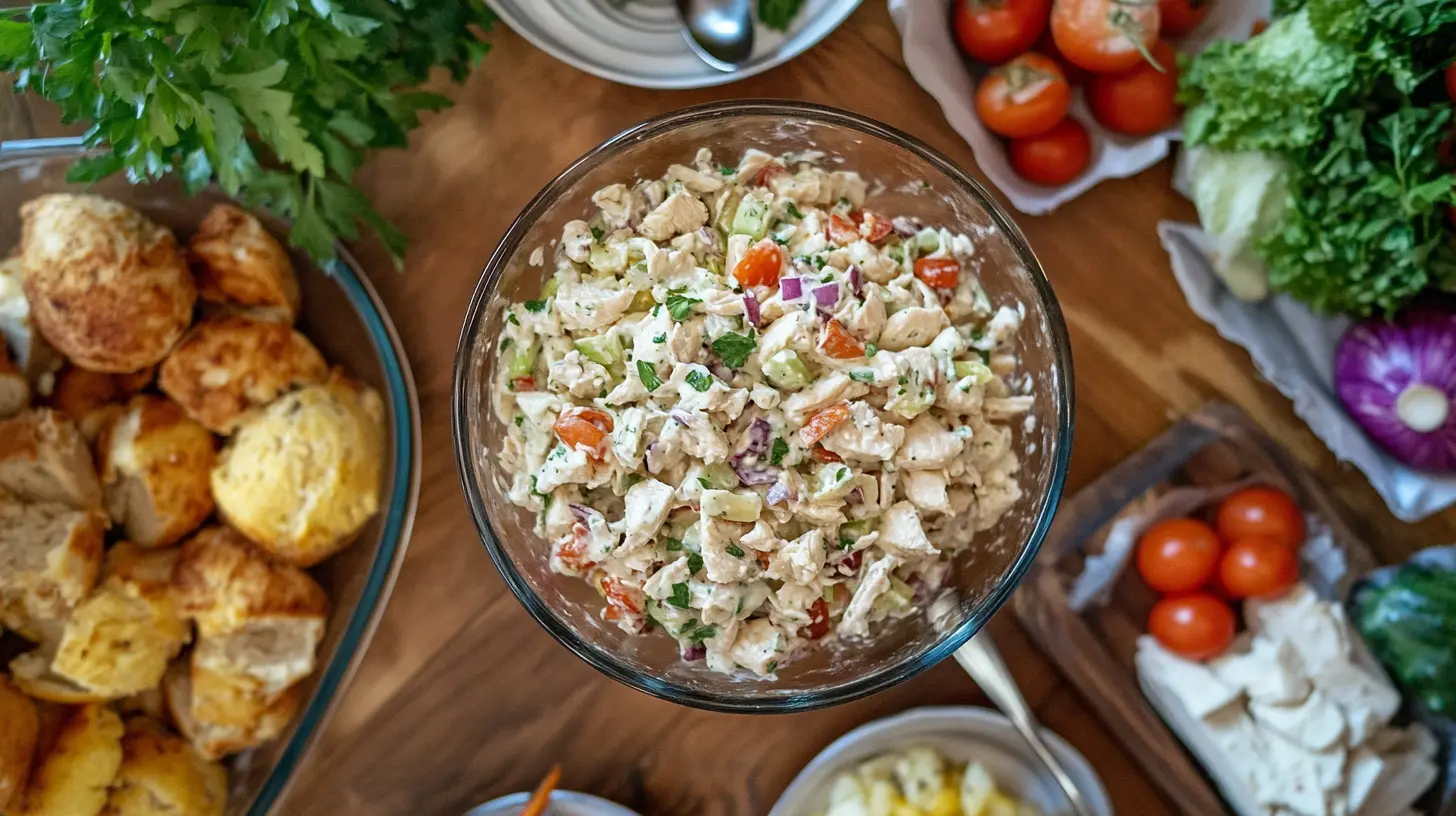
(1258, 567)
(938, 273)
(1139, 101)
(1074, 73)
(1178, 555)
(1451, 81)
(818, 625)
(1196, 626)
(841, 230)
(1180, 17)
(825, 455)
(996, 30)
(838, 343)
(523, 384)
(851, 562)
(760, 265)
(770, 171)
(1260, 511)
(1025, 97)
(1105, 36)
(873, 227)
(821, 422)
(584, 429)
(1055, 157)
(571, 551)
(1259, 27)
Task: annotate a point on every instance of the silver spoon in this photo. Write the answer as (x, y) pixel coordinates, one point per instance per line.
(984, 664)
(720, 32)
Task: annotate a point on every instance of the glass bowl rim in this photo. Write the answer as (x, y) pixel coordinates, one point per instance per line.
(485, 290)
(399, 503)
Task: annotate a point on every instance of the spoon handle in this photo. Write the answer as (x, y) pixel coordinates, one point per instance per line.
(984, 664)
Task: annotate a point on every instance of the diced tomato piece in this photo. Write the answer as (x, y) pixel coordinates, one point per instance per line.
(622, 601)
(838, 343)
(762, 558)
(938, 273)
(852, 561)
(874, 227)
(821, 422)
(770, 171)
(571, 552)
(818, 621)
(584, 428)
(822, 454)
(841, 230)
(1259, 27)
(523, 384)
(760, 265)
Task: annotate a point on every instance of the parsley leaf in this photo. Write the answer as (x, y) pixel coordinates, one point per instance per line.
(871, 349)
(672, 544)
(695, 563)
(660, 339)
(680, 307)
(699, 380)
(734, 550)
(734, 349)
(707, 485)
(777, 453)
(597, 233)
(778, 14)
(792, 210)
(535, 306)
(679, 597)
(864, 376)
(648, 375)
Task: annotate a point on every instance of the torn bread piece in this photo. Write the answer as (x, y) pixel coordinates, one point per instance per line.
(77, 756)
(44, 458)
(19, 728)
(14, 388)
(155, 465)
(50, 556)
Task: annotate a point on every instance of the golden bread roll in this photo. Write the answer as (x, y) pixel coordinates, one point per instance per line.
(228, 367)
(108, 288)
(237, 261)
(222, 715)
(162, 775)
(303, 477)
(18, 730)
(76, 759)
(155, 464)
(44, 458)
(50, 556)
(256, 617)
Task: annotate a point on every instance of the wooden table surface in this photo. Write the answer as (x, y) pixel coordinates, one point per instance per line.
(462, 697)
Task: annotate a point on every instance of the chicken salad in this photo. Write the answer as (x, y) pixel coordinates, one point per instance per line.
(754, 414)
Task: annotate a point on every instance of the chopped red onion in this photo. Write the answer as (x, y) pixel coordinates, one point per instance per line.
(779, 493)
(791, 289)
(750, 474)
(856, 281)
(905, 227)
(826, 297)
(719, 370)
(856, 496)
(751, 310)
(584, 514)
(682, 418)
(694, 652)
(709, 237)
(755, 439)
(1397, 379)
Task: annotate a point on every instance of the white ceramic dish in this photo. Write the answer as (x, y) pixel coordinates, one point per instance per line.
(961, 733)
(563, 803)
(640, 42)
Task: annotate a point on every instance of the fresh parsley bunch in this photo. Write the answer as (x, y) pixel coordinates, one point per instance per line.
(278, 100)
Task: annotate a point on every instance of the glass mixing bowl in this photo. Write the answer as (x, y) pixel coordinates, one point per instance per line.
(906, 178)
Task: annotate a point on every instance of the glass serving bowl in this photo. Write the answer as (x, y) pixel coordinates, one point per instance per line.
(344, 317)
(906, 178)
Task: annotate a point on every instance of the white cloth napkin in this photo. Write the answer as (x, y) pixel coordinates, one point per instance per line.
(938, 65)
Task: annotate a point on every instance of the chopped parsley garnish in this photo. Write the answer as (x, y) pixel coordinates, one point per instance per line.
(734, 550)
(827, 278)
(846, 543)
(597, 233)
(679, 596)
(707, 485)
(772, 664)
(534, 306)
(792, 210)
(520, 420)
(904, 379)
(699, 380)
(695, 563)
(840, 476)
(819, 261)
(985, 356)
(777, 453)
(871, 349)
(506, 343)
(641, 266)
(734, 349)
(680, 307)
(697, 632)
(648, 375)
(660, 339)
(862, 376)
(727, 171)
(672, 544)
(512, 319)
(632, 479)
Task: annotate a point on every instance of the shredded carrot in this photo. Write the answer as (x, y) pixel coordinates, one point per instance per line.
(536, 806)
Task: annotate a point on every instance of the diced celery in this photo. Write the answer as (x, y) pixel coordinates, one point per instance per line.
(899, 596)
(855, 530)
(720, 475)
(605, 349)
(728, 207)
(785, 370)
(549, 290)
(642, 301)
(521, 357)
(731, 506)
(751, 218)
(910, 401)
(753, 597)
(692, 537)
(927, 240)
(973, 368)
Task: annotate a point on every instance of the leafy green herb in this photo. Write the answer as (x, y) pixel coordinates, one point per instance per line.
(506, 343)
(672, 544)
(846, 543)
(699, 380)
(777, 453)
(840, 474)
(597, 233)
(659, 339)
(733, 349)
(862, 376)
(535, 306)
(520, 420)
(695, 563)
(679, 597)
(279, 101)
(792, 210)
(512, 319)
(632, 479)
(904, 379)
(772, 665)
(697, 632)
(778, 14)
(727, 171)
(707, 485)
(680, 307)
(871, 349)
(734, 550)
(648, 375)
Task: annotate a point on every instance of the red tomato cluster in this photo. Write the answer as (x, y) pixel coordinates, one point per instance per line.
(1249, 551)
(1041, 48)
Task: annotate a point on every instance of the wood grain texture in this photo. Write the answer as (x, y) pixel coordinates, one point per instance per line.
(463, 698)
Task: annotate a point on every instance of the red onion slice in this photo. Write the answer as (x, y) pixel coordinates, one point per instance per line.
(856, 281)
(905, 227)
(826, 297)
(751, 309)
(791, 289)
